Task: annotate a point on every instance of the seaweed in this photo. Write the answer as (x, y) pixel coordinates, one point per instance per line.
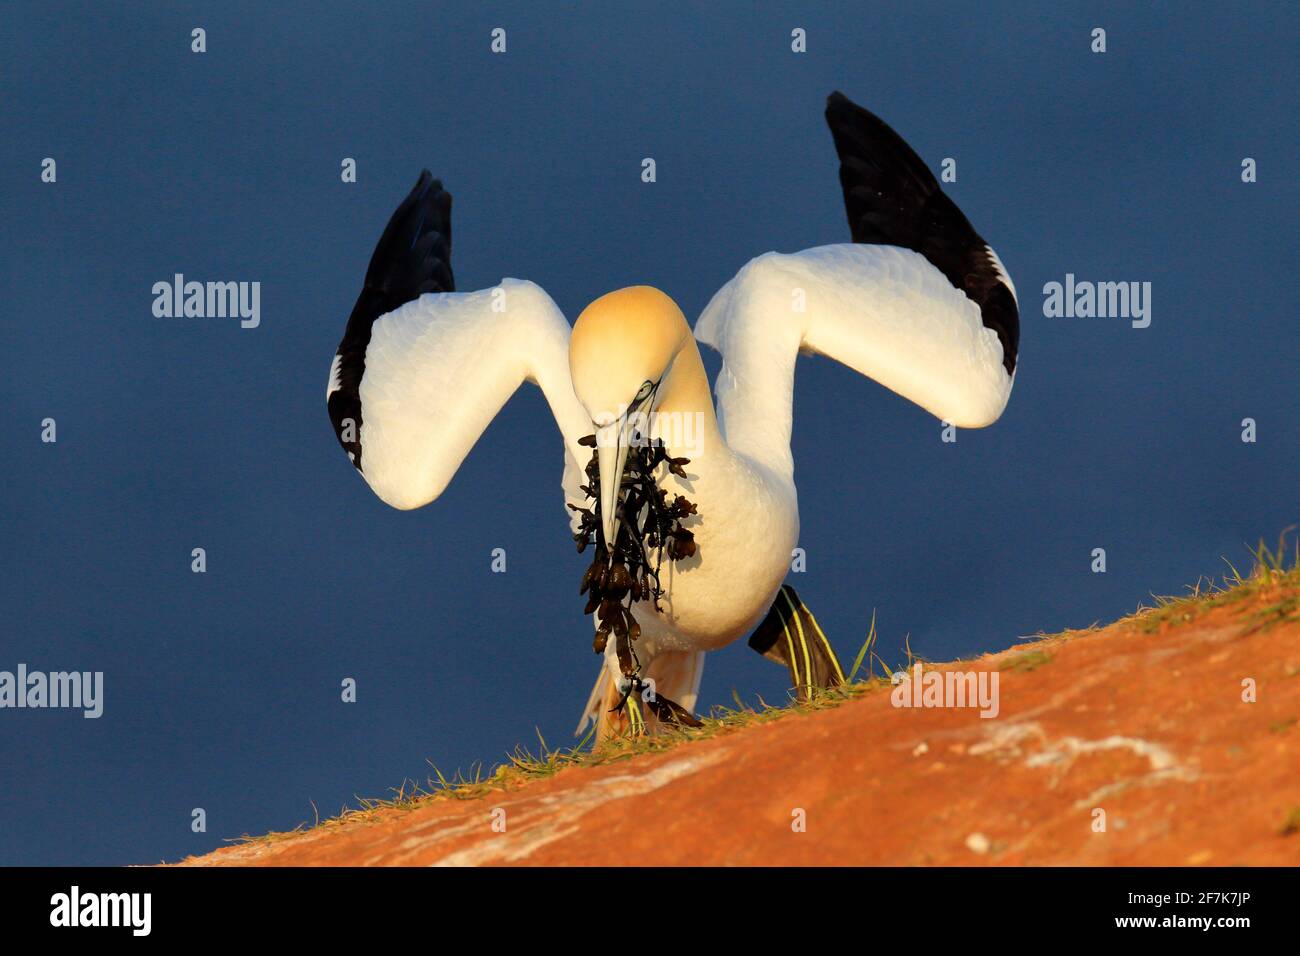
(628, 572)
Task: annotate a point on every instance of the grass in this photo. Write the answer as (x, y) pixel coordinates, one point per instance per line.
(1291, 823)
(522, 766)
(1028, 661)
(1272, 583)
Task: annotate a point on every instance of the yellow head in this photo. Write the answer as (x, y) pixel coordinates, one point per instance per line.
(623, 346)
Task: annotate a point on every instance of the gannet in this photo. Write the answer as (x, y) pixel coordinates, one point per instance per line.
(916, 301)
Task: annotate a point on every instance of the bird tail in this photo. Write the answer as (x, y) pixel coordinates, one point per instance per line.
(595, 709)
(675, 676)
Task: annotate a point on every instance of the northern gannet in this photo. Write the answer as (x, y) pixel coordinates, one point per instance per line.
(917, 301)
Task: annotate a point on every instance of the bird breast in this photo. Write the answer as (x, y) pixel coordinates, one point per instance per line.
(746, 527)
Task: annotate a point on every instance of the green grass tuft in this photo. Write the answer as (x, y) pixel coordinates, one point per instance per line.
(1275, 575)
(1291, 823)
(1028, 661)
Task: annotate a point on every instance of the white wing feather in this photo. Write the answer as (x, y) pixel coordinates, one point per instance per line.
(437, 371)
(883, 311)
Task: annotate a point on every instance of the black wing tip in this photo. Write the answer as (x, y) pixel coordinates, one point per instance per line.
(428, 192)
(862, 136)
(839, 111)
(999, 311)
(892, 198)
(412, 257)
(843, 113)
(838, 103)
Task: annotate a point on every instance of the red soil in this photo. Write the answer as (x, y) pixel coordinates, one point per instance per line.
(1149, 726)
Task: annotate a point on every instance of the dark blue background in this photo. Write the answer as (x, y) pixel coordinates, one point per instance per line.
(222, 690)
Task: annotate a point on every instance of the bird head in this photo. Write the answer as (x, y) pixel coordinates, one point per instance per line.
(623, 346)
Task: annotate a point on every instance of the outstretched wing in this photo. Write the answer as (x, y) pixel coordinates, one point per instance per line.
(413, 256)
(893, 199)
(422, 369)
(918, 302)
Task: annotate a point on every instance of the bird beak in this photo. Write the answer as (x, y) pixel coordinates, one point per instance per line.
(611, 452)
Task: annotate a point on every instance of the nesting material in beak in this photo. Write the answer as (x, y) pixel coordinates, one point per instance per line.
(611, 450)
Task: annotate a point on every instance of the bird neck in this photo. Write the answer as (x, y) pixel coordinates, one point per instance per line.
(755, 390)
(684, 408)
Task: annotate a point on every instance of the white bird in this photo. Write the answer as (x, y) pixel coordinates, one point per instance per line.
(917, 301)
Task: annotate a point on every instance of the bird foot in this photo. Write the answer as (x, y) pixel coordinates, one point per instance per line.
(635, 691)
(790, 635)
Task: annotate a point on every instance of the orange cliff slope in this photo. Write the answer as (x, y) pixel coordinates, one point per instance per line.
(1135, 744)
